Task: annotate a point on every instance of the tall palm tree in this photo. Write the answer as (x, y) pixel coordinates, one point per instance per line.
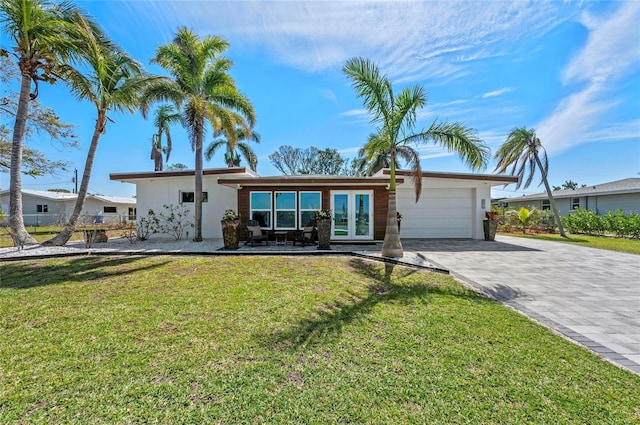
(45, 34)
(395, 117)
(524, 152)
(114, 83)
(231, 155)
(165, 116)
(204, 93)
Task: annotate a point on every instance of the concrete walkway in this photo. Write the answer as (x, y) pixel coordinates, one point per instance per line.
(591, 296)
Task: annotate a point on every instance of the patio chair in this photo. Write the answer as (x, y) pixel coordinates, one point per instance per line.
(255, 233)
(307, 235)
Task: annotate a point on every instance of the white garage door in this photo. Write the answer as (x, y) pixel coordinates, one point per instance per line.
(440, 213)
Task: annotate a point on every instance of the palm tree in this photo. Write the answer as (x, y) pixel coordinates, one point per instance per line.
(114, 83)
(45, 35)
(203, 92)
(164, 117)
(369, 161)
(522, 151)
(395, 117)
(231, 155)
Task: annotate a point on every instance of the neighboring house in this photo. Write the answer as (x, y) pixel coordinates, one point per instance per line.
(41, 207)
(600, 198)
(452, 205)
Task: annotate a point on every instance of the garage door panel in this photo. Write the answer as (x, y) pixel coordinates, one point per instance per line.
(440, 213)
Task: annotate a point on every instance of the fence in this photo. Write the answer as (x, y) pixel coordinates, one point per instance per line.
(50, 219)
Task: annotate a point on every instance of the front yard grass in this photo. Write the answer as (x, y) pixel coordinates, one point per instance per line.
(282, 340)
(631, 246)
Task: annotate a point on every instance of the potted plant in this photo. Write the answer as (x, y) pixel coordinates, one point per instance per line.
(490, 225)
(323, 221)
(230, 221)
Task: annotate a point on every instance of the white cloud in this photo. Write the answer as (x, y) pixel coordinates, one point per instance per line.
(611, 53)
(329, 94)
(497, 92)
(416, 39)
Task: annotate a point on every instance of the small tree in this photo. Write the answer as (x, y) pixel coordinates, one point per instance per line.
(524, 216)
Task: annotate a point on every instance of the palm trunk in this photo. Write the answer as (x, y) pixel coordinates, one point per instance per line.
(198, 191)
(157, 158)
(16, 221)
(64, 236)
(551, 200)
(392, 247)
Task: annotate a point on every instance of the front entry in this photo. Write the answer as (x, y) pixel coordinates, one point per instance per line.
(352, 214)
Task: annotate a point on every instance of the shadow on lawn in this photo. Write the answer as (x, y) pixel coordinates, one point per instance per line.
(31, 274)
(330, 318)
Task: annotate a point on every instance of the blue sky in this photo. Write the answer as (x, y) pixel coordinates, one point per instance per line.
(571, 70)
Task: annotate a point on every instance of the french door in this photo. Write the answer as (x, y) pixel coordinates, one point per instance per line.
(352, 214)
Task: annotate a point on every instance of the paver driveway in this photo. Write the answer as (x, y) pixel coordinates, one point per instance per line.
(590, 295)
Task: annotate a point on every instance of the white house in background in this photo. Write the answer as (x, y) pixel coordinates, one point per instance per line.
(600, 198)
(452, 205)
(41, 207)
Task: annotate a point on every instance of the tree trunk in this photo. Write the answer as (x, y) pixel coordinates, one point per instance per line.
(16, 221)
(157, 158)
(392, 247)
(64, 236)
(551, 200)
(198, 191)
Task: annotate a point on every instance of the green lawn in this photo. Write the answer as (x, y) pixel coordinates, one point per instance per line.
(631, 246)
(283, 340)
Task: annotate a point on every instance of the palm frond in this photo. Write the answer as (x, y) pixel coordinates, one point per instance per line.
(412, 158)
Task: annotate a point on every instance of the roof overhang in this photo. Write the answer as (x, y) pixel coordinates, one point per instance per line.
(301, 181)
(132, 177)
(493, 178)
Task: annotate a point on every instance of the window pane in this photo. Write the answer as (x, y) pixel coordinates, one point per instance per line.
(285, 219)
(187, 197)
(310, 201)
(306, 217)
(205, 197)
(110, 209)
(261, 201)
(263, 217)
(286, 201)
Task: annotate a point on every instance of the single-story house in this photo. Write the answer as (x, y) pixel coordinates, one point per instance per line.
(452, 205)
(42, 208)
(601, 198)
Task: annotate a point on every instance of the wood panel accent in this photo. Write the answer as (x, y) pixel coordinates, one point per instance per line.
(380, 202)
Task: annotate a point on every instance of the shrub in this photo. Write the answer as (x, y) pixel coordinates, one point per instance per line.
(618, 223)
(173, 222)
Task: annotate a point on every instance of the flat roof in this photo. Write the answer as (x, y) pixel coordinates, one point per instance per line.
(180, 173)
(307, 180)
(459, 176)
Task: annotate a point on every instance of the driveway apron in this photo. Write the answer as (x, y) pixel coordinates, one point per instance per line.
(592, 296)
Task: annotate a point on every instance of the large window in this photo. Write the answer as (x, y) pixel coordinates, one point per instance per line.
(42, 208)
(285, 210)
(187, 197)
(260, 208)
(310, 202)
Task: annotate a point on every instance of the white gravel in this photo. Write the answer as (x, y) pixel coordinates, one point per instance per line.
(115, 246)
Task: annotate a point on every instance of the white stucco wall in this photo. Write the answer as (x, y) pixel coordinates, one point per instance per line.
(156, 192)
